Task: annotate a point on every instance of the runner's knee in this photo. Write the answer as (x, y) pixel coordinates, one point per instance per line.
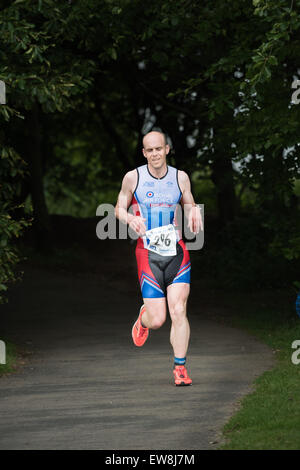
(178, 312)
(156, 318)
(157, 322)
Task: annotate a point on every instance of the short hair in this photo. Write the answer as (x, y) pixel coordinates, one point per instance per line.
(159, 132)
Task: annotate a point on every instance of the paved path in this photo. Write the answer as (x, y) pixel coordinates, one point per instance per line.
(86, 386)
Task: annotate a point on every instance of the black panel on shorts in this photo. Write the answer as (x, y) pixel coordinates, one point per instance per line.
(165, 268)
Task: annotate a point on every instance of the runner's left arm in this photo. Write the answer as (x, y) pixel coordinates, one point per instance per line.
(191, 210)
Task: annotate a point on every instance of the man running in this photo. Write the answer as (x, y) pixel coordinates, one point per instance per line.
(154, 191)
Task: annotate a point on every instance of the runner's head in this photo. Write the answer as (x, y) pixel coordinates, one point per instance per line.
(155, 149)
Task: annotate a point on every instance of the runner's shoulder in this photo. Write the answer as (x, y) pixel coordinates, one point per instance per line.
(182, 174)
(130, 180)
(183, 178)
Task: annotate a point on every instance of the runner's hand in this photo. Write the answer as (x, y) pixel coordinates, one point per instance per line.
(137, 224)
(195, 223)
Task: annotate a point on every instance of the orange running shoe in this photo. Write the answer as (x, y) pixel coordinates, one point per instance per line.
(139, 334)
(181, 376)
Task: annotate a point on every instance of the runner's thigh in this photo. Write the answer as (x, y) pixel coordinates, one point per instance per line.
(156, 310)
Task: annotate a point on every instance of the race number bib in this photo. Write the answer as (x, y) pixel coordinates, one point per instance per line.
(162, 240)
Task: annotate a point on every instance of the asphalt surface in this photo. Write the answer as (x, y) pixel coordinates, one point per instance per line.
(84, 385)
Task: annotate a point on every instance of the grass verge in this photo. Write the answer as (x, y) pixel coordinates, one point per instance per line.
(269, 417)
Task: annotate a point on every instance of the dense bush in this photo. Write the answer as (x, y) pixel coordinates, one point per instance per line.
(12, 169)
(242, 256)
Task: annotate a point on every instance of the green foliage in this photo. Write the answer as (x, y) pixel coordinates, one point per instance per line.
(12, 168)
(36, 69)
(215, 75)
(33, 64)
(243, 256)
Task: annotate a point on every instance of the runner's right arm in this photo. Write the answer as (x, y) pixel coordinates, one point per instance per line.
(123, 202)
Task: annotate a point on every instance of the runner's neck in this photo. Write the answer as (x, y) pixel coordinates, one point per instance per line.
(158, 174)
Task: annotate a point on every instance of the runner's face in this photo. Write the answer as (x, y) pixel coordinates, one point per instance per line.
(155, 150)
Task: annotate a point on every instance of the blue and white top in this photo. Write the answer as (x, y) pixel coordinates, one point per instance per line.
(156, 199)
